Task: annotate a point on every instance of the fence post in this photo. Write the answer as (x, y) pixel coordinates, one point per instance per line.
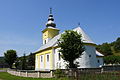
(38, 74)
(19, 73)
(101, 70)
(51, 73)
(75, 74)
(26, 74)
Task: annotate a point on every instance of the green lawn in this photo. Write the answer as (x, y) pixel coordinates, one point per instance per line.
(3, 68)
(6, 76)
(108, 76)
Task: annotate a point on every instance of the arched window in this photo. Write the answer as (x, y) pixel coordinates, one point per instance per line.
(47, 58)
(98, 61)
(45, 42)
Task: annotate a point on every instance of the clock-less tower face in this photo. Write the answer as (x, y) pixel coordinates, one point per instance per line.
(49, 33)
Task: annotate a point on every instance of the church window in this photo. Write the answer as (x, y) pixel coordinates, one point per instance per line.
(98, 61)
(59, 56)
(41, 59)
(45, 41)
(89, 55)
(47, 58)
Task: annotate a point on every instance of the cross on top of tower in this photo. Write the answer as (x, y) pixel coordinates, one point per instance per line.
(50, 22)
(50, 10)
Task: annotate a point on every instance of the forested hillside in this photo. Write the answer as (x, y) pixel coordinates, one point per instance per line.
(111, 51)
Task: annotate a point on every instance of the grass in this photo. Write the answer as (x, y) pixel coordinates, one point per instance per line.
(104, 76)
(3, 68)
(108, 76)
(6, 76)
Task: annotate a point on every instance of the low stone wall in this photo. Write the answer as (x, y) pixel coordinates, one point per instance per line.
(34, 74)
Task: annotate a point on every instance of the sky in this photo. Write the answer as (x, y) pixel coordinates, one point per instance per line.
(21, 21)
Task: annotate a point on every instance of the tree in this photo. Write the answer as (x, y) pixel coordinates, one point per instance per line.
(117, 45)
(31, 60)
(71, 47)
(10, 57)
(105, 49)
(112, 59)
(23, 62)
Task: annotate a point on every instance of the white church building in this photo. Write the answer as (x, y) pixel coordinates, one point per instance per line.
(47, 57)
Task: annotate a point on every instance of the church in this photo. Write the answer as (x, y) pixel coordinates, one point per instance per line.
(47, 57)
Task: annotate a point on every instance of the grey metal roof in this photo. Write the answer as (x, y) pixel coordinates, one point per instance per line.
(53, 41)
(99, 54)
(85, 37)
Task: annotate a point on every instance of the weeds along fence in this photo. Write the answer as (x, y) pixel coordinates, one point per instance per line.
(76, 72)
(88, 74)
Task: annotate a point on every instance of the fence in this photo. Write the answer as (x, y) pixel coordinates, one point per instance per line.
(111, 68)
(78, 72)
(65, 72)
(31, 73)
(49, 74)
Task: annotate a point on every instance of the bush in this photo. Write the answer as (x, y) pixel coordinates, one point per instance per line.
(59, 73)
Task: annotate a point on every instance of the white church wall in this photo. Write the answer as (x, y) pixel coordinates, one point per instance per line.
(59, 63)
(36, 63)
(88, 58)
(100, 61)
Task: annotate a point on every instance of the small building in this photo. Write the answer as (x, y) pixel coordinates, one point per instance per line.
(47, 57)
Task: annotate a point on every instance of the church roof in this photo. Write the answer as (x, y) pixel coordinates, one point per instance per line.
(53, 41)
(85, 37)
(99, 54)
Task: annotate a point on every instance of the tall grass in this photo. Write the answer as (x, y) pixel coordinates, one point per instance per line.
(98, 76)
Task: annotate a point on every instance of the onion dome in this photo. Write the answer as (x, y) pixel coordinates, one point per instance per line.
(50, 22)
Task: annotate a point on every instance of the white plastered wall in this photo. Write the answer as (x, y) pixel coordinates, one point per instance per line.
(87, 60)
(58, 64)
(100, 63)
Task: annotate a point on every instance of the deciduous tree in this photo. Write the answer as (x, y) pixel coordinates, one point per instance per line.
(10, 57)
(71, 47)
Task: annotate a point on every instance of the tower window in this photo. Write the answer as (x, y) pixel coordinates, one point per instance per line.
(45, 41)
(47, 58)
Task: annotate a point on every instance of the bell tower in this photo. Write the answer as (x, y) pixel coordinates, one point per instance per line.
(50, 31)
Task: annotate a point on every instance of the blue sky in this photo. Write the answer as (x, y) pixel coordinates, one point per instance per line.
(21, 21)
